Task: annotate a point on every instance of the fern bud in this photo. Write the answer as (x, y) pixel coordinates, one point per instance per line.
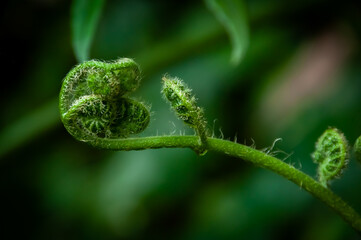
(331, 155)
(93, 103)
(185, 106)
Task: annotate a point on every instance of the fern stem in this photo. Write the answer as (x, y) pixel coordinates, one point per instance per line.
(246, 153)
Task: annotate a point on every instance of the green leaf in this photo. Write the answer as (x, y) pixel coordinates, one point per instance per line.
(84, 18)
(232, 14)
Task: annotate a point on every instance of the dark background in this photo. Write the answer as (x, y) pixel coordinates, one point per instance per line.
(301, 74)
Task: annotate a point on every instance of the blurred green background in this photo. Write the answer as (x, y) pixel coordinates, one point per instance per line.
(300, 73)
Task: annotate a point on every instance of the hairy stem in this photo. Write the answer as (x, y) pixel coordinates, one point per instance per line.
(257, 157)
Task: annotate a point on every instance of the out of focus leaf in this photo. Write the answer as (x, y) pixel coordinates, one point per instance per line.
(29, 127)
(84, 18)
(232, 14)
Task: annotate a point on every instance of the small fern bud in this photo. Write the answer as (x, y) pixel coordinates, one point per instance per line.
(185, 106)
(331, 155)
(93, 103)
(357, 149)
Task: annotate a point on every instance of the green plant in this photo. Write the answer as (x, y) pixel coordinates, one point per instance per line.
(94, 109)
(331, 154)
(93, 104)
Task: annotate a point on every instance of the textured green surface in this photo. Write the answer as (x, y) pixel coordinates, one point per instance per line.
(184, 104)
(331, 155)
(92, 102)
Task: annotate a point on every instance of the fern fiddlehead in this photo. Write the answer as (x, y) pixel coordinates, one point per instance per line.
(95, 109)
(331, 155)
(93, 102)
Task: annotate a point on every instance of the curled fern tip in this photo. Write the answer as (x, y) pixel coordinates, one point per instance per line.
(331, 155)
(94, 103)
